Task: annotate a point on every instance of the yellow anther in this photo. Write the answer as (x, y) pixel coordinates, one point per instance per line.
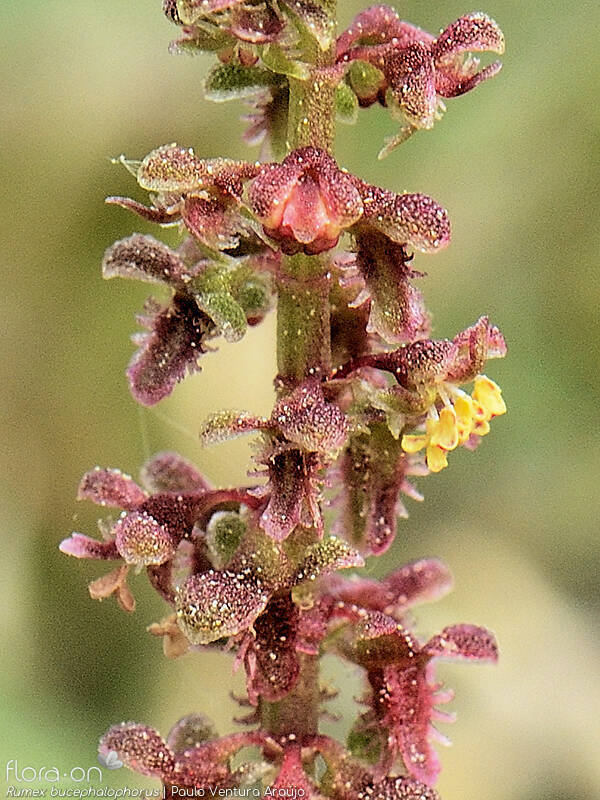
(437, 458)
(488, 395)
(463, 406)
(445, 432)
(414, 443)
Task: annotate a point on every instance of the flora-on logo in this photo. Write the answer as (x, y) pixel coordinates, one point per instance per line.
(110, 760)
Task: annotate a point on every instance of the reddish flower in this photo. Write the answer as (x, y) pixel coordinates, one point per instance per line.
(152, 525)
(214, 24)
(369, 619)
(191, 757)
(204, 194)
(415, 69)
(306, 431)
(249, 602)
(207, 301)
(306, 201)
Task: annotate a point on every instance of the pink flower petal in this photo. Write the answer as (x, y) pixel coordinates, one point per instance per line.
(170, 472)
(110, 487)
(140, 748)
(469, 642)
(81, 546)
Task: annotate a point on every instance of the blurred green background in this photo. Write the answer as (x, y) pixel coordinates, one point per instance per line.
(516, 164)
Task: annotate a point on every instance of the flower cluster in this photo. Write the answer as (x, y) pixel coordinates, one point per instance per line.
(463, 418)
(362, 620)
(362, 390)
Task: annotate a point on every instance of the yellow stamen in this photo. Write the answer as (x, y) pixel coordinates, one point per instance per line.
(414, 443)
(489, 395)
(463, 406)
(445, 431)
(437, 458)
(482, 426)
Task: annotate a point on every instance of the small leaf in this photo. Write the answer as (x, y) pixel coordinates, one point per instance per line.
(366, 80)
(254, 297)
(224, 425)
(170, 472)
(213, 604)
(346, 104)
(316, 17)
(143, 258)
(278, 61)
(327, 556)
(233, 81)
(140, 748)
(110, 487)
(190, 731)
(223, 536)
(200, 39)
(228, 316)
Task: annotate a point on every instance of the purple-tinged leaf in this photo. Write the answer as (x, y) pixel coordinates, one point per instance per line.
(160, 216)
(415, 220)
(380, 25)
(294, 495)
(190, 731)
(411, 75)
(373, 471)
(397, 310)
(474, 32)
(224, 425)
(213, 221)
(177, 171)
(258, 24)
(81, 546)
(308, 420)
(316, 18)
(172, 348)
(419, 582)
(270, 658)
(325, 557)
(143, 258)
(405, 701)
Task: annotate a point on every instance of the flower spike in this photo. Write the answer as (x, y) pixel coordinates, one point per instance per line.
(365, 400)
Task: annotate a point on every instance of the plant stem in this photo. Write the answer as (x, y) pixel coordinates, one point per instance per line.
(303, 345)
(298, 713)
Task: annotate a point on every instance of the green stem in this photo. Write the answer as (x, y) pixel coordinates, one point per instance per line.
(311, 119)
(304, 346)
(298, 713)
